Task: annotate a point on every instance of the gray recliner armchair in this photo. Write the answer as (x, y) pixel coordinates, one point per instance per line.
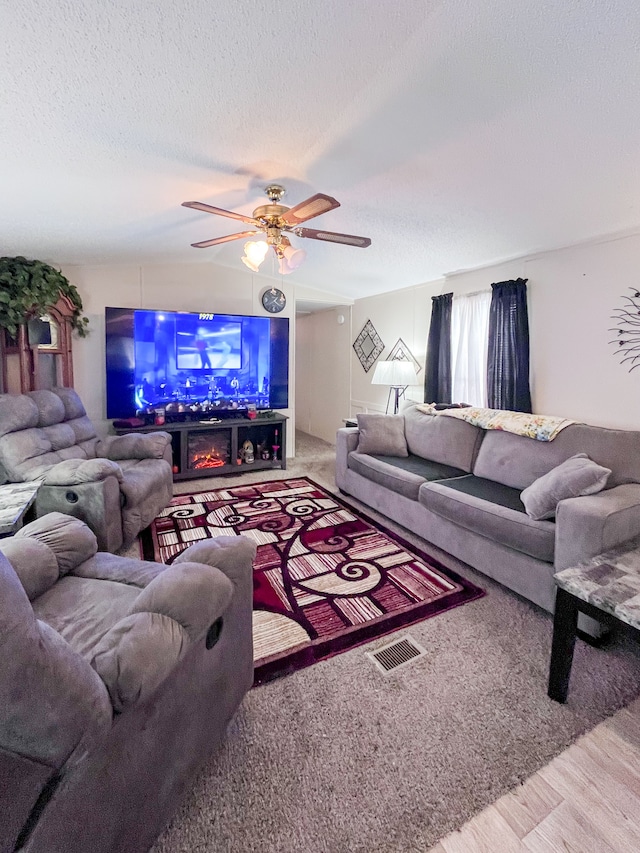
(117, 680)
(117, 485)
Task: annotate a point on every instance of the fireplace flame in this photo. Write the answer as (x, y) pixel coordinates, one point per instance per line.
(206, 460)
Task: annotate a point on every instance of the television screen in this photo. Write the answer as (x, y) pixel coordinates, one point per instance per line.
(231, 361)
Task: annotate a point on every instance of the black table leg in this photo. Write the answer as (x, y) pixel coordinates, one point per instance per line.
(565, 624)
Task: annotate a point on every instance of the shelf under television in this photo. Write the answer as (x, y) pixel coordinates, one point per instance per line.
(254, 429)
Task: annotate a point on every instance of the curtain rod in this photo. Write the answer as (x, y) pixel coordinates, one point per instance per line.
(473, 293)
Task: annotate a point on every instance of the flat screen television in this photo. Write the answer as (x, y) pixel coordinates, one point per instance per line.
(229, 361)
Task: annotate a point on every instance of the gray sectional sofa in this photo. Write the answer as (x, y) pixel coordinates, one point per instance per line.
(460, 488)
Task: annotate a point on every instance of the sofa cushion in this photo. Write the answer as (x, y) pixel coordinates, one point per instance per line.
(382, 434)
(401, 475)
(50, 407)
(17, 411)
(61, 436)
(517, 461)
(83, 610)
(82, 428)
(573, 478)
(448, 441)
(23, 450)
(492, 510)
(72, 403)
(173, 611)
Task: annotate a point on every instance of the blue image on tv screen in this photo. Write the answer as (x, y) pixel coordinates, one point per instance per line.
(206, 344)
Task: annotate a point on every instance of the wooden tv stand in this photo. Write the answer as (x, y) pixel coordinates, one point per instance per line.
(211, 448)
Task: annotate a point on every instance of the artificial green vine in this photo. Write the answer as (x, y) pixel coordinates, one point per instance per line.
(31, 288)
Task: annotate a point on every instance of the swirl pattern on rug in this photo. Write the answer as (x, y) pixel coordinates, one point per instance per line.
(325, 577)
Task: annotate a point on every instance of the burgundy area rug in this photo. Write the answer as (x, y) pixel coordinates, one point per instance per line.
(326, 578)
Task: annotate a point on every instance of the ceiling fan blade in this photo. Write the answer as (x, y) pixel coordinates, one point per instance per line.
(332, 237)
(309, 208)
(204, 244)
(207, 208)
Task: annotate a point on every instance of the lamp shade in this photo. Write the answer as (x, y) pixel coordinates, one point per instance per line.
(397, 373)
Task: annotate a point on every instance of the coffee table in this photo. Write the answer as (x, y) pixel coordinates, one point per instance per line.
(15, 500)
(607, 588)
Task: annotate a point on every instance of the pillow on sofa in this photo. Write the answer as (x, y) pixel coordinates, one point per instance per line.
(382, 435)
(575, 477)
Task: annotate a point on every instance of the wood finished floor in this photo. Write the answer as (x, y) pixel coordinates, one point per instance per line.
(587, 800)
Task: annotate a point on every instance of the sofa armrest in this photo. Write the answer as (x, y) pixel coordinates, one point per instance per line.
(590, 525)
(232, 555)
(73, 472)
(67, 539)
(171, 614)
(144, 445)
(193, 594)
(346, 441)
(98, 504)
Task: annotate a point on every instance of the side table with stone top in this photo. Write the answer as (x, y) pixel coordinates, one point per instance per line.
(607, 588)
(15, 501)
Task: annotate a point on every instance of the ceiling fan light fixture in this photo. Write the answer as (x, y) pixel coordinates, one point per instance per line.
(294, 257)
(255, 252)
(283, 267)
(245, 260)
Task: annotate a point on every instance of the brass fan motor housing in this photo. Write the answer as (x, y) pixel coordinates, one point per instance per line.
(269, 212)
(273, 235)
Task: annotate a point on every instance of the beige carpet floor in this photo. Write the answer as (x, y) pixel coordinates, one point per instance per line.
(338, 758)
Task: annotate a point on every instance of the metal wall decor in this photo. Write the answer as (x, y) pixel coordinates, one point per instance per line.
(627, 329)
(368, 346)
(401, 351)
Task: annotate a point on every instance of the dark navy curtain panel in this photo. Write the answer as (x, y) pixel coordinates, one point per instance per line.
(437, 380)
(508, 361)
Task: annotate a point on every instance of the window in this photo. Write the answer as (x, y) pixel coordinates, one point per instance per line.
(469, 340)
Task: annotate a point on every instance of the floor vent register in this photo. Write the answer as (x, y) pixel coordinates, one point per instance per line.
(397, 654)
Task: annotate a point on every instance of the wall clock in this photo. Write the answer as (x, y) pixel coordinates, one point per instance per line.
(273, 300)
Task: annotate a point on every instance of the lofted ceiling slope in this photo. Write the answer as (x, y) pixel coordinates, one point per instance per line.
(454, 133)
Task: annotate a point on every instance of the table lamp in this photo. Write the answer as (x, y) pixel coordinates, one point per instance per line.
(398, 374)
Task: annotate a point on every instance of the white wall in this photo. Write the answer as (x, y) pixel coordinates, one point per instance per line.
(572, 294)
(184, 287)
(322, 371)
(402, 314)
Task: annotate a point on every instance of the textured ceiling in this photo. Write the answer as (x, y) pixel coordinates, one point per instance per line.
(454, 133)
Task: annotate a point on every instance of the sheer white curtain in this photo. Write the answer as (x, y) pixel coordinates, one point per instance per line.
(469, 342)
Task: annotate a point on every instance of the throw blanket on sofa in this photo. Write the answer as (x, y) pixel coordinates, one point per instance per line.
(540, 427)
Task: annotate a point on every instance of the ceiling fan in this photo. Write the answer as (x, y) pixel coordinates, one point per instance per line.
(273, 220)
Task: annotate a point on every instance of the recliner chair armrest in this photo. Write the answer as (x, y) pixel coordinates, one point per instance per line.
(98, 504)
(73, 472)
(172, 613)
(149, 445)
(592, 524)
(68, 539)
(233, 555)
(193, 594)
